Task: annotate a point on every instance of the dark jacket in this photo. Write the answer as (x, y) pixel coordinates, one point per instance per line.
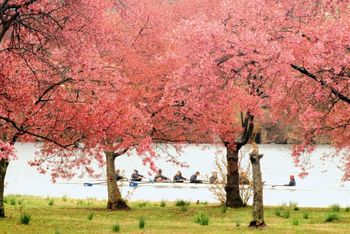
(160, 177)
(292, 182)
(136, 177)
(194, 179)
(179, 178)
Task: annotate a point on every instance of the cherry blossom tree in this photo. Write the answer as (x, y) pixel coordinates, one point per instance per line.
(40, 89)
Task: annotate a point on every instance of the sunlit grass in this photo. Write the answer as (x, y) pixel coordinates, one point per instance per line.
(90, 216)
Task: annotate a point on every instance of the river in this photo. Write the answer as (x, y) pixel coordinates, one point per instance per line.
(321, 188)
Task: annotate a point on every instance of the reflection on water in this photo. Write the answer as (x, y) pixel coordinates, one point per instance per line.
(322, 187)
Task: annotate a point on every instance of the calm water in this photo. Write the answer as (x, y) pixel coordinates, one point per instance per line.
(322, 187)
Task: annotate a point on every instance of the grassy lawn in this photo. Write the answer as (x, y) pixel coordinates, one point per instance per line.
(65, 215)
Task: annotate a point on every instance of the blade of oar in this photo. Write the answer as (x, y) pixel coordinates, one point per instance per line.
(96, 183)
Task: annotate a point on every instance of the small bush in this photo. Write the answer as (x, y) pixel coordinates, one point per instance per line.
(202, 219)
(296, 222)
(181, 203)
(21, 202)
(25, 218)
(286, 214)
(204, 203)
(294, 206)
(223, 209)
(6, 200)
(65, 198)
(80, 203)
(330, 217)
(90, 216)
(305, 215)
(57, 231)
(162, 204)
(183, 208)
(335, 208)
(51, 202)
(142, 204)
(238, 223)
(142, 222)
(13, 201)
(347, 209)
(116, 228)
(278, 212)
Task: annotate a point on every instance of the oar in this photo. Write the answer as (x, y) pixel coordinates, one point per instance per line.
(87, 184)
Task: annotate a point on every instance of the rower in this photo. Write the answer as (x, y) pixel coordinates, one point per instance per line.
(194, 178)
(291, 181)
(160, 178)
(118, 176)
(136, 176)
(213, 178)
(178, 178)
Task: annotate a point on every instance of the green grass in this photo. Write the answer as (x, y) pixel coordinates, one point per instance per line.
(306, 215)
(162, 204)
(223, 209)
(182, 203)
(142, 222)
(51, 202)
(335, 208)
(90, 215)
(202, 219)
(330, 217)
(65, 198)
(25, 218)
(67, 217)
(296, 222)
(116, 228)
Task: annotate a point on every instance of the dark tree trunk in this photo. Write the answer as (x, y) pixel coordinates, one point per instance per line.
(115, 201)
(3, 168)
(258, 206)
(233, 198)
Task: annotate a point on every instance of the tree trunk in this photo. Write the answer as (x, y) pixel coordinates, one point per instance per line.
(233, 198)
(115, 201)
(3, 168)
(258, 206)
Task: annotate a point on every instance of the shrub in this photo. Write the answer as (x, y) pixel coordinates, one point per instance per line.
(278, 212)
(142, 204)
(57, 231)
(13, 201)
(65, 198)
(335, 208)
(116, 228)
(305, 215)
(181, 203)
(294, 206)
(6, 200)
(286, 214)
(51, 202)
(162, 204)
(20, 202)
(296, 222)
(202, 219)
(142, 222)
(238, 223)
(330, 217)
(223, 209)
(183, 208)
(80, 203)
(347, 209)
(90, 216)
(25, 218)
(204, 203)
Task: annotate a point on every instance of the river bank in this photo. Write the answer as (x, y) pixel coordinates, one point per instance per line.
(67, 215)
